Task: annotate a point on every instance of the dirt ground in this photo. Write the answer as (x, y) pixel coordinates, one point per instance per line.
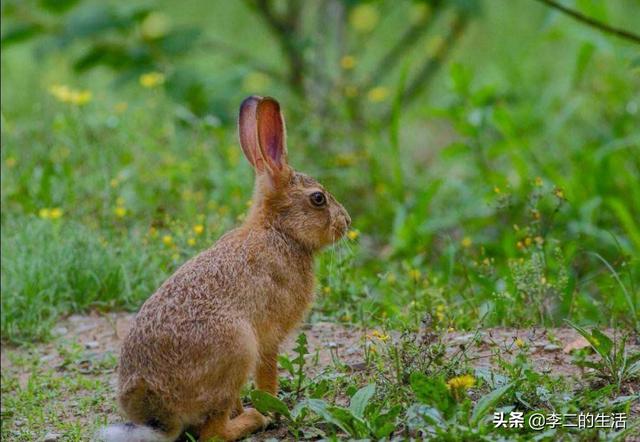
(102, 335)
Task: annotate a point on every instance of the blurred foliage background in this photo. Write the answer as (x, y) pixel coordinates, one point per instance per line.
(489, 153)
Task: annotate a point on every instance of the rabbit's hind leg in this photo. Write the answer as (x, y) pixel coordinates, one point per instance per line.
(220, 426)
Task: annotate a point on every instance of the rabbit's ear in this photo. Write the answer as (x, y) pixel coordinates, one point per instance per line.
(272, 140)
(248, 131)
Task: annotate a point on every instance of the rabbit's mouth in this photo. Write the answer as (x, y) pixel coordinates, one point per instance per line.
(339, 228)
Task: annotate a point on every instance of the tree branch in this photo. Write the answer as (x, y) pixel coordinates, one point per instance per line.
(285, 31)
(433, 64)
(408, 39)
(621, 33)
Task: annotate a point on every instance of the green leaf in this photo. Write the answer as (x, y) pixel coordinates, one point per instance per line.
(353, 425)
(621, 210)
(180, 41)
(58, 6)
(432, 391)
(585, 54)
(267, 403)
(361, 399)
(605, 343)
(487, 402)
(385, 423)
(320, 408)
(589, 364)
(20, 32)
(285, 363)
(598, 340)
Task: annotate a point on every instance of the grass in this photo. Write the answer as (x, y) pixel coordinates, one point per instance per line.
(507, 196)
(425, 385)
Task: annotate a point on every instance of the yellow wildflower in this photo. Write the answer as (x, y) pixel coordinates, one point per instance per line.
(353, 235)
(81, 98)
(56, 213)
(348, 62)
(378, 94)
(463, 382)
(364, 18)
(191, 242)
(198, 229)
(379, 336)
(326, 290)
(528, 241)
(44, 213)
(414, 274)
(65, 94)
(151, 79)
(496, 189)
(559, 193)
(120, 211)
(167, 240)
(391, 278)
(466, 242)
(519, 343)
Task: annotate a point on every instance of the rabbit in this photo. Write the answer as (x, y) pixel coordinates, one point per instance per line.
(223, 315)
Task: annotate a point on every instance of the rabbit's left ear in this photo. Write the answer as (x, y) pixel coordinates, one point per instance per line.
(248, 132)
(272, 137)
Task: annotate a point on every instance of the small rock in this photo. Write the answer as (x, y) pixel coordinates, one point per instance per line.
(551, 347)
(52, 437)
(358, 366)
(59, 331)
(47, 358)
(91, 345)
(85, 328)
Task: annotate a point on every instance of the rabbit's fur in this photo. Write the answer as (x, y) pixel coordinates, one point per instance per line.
(222, 316)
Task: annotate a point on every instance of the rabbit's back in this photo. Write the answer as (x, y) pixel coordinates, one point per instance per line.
(212, 315)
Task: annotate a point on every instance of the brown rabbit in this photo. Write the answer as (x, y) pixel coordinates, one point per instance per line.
(223, 315)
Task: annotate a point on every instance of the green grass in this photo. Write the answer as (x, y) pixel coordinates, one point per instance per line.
(506, 195)
(504, 192)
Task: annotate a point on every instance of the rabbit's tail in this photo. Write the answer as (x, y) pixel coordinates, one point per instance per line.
(131, 433)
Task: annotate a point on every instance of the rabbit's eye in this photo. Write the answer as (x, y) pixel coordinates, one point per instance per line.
(318, 199)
